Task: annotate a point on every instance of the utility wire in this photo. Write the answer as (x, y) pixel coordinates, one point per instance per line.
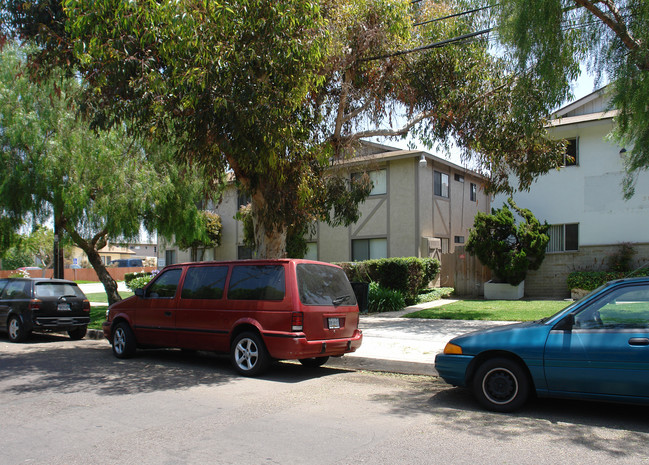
(455, 15)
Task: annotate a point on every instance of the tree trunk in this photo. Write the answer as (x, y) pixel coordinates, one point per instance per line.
(269, 243)
(91, 248)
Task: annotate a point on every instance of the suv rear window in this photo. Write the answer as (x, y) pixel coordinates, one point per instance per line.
(323, 285)
(57, 290)
(204, 282)
(257, 282)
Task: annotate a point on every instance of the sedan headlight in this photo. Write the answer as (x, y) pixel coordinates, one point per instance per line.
(452, 349)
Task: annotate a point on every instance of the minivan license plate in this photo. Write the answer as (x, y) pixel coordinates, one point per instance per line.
(334, 323)
(63, 307)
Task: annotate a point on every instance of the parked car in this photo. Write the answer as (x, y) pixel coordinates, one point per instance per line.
(126, 262)
(255, 310)
(596, 348)
(40, 304)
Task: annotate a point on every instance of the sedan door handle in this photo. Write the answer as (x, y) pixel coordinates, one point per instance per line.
(639, 341)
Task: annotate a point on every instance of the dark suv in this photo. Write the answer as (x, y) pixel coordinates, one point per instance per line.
(40, 304)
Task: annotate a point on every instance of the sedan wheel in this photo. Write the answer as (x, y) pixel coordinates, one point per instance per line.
(501, 385)
(248, 354)
(16, 330)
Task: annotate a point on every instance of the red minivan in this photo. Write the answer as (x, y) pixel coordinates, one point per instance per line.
(255, 310)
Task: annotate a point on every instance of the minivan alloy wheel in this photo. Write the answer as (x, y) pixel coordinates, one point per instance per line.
(123, 341)
(249, 355)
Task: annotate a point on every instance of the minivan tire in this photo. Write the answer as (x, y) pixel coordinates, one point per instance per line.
(123, 341)
(16, 330)
(249, 355)
(78, 333)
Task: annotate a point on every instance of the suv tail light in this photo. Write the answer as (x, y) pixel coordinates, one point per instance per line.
(35, 304)
(86, 305)
(297, 321)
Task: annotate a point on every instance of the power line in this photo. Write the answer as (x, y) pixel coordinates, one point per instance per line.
(430, 46)
(455, 15)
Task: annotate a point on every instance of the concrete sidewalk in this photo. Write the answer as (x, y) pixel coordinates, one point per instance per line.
(406, 345)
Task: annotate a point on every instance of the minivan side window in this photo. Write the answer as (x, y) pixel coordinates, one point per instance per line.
(204, 282)
(166, 284)
(324, 285)
(257, 282)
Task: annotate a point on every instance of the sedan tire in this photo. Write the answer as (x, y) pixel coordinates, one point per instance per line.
(501, 385)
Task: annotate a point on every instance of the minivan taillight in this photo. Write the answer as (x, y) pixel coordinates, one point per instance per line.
(297, 321)
(35, 304)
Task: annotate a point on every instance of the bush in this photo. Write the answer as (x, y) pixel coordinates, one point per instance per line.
(589, 280)
(139, 282)
(128, 277)
(381, 299)
(408, 275)
(435, 294)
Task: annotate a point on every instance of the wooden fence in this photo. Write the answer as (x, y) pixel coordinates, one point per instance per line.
(463, 272)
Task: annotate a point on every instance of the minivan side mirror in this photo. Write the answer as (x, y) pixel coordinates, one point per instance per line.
(139, 292)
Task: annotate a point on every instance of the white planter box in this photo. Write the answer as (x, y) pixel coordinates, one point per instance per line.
(503, 291)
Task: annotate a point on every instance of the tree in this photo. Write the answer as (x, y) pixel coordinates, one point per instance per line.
(548, 39)
(93, 185)
(211, 238)
(507, 249)
(276, 91)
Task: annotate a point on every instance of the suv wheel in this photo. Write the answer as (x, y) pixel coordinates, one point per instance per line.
(248, 354)
(16, 330)
(123, 341)
(78, 333)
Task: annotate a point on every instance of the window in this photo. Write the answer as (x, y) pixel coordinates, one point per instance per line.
(459, 239)
(624, 308)
(244, 253)
(563, 238)
(440, 184)
(16, 290)
(170, 257)
(570, 157)
(323, 285)
(459, 178)
(204, 282)
(445, 244)
(165, 285)
(367, 249)
(474, 192)
(243, 198)
(311, 251)
(257, 282)
(378, 179)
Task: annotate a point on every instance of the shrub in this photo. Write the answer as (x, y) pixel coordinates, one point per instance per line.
(589, 280)
(507, 249)
(381, 299)
(139, 282)
(408, 275)
(435, 294)
(128, 277)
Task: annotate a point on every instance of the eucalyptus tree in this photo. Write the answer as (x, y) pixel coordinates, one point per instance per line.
(279, 91)
(93, 185)
(549, 39)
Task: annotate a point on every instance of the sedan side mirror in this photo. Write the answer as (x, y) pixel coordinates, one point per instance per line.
(567, 323)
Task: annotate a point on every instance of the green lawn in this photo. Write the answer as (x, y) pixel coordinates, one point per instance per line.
(102, 297)
(496, 310)
(98, 313)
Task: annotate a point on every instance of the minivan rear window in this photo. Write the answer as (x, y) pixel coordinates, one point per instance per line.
(257, 282)
(324, 285)
(204, 282)
(57, 290)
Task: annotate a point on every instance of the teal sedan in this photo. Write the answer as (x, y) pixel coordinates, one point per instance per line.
(596, 348)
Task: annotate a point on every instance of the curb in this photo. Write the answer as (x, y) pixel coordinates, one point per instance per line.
(382, 365)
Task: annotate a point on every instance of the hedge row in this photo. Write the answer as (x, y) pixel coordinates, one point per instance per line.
(408, 275)
(589, 280)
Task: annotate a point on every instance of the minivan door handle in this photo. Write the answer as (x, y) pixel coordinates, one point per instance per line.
(639, 341)
(167, 313)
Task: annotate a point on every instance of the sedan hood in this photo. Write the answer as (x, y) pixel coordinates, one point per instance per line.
(515, 336)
